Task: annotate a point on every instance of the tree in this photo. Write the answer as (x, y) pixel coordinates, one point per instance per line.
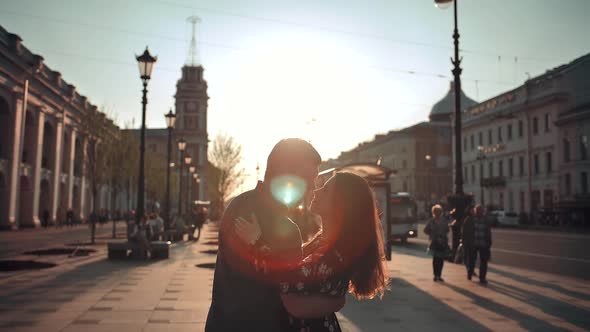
(226, 156)
(100, 133)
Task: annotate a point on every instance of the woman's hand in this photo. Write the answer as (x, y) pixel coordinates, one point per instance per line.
(248, 231)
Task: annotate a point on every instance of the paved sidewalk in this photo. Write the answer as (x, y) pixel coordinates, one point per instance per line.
(103, 295)
(174, 295)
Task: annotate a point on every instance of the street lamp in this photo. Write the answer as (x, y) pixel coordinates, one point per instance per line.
(459, 201)
(181, 148)
(198, 181)
(190, 191)
(428, 158)
(146, 64)
(481, 155)
(187, 160)
(170, 121)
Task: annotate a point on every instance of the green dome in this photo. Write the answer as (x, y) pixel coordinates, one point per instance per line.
(443, 110)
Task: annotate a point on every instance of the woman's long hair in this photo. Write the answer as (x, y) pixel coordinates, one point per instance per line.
(360, 238)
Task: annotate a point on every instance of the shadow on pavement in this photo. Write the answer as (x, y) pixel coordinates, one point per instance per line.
(528, 322)
(529, 281)
(404, 308)
(564, 310)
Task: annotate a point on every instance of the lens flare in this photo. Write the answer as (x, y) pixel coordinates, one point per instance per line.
(288, 189)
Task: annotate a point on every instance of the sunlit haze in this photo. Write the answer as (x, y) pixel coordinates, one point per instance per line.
(333, 72)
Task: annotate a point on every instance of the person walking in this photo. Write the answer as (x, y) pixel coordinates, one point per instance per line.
(437, 229)
(477, 240)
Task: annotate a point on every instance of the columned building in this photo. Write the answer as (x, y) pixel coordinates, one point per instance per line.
(526, 150)
(42, 144)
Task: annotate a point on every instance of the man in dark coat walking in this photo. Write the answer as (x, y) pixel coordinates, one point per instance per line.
(476, 235)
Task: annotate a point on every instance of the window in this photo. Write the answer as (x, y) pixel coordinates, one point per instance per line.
(535, 126)
(522, 200)
(568, 184)
(501, 168)
(546, 122)
(490, 137)
(472, 173)
(549, 160)
(510, 132)
(584, 180)
(521, 166)
(480, 138)
(536, 161)
(490, 169)
(566, 150)
(472, 139)
(583, 147)
(520, 128)
(510, 167)
(499, 134)
(464, 144)
(405, 186)
(404, 164)
(481, 176)
(465, 174)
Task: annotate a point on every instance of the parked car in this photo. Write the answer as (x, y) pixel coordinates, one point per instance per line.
(503, 218)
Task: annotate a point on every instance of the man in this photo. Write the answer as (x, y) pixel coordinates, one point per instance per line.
(245, 295)
(477, 240)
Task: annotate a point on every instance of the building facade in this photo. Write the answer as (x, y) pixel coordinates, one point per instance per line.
(419, 154)
(525, 150)
(43, 146)
(191, 124)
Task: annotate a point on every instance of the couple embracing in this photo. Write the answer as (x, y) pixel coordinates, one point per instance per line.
(267, 278)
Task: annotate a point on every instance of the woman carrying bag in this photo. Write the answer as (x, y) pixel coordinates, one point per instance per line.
(437, 229)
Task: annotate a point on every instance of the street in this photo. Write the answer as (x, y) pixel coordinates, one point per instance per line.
(545, 251)
(96, 294)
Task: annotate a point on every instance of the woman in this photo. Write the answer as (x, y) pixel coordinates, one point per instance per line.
(437, 229)
(349, 253)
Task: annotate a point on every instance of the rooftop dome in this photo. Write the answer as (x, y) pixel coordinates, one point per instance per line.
(443, 110)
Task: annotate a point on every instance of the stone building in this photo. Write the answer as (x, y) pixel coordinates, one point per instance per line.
(526, 150)
(420, 154)
(191, 124)
(43, 147)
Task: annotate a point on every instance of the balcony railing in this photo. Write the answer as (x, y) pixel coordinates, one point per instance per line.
(494, 181)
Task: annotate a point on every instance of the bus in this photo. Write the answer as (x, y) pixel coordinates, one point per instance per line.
(403, 216)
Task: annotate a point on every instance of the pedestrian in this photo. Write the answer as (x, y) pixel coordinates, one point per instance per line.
(437, 229)
(156, 225)
(45, 218)
(140, 235)
(70, 218)
(200, 220)
(477, 240)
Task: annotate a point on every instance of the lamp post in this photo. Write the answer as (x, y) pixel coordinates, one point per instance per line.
(481, 155)
(181, 147)
(170, 121)
(459, 201)
(146, 64)
(198, 181)
(187, 161)
(427, 159)
(190, 187)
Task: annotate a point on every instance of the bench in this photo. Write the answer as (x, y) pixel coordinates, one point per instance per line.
(119, 249)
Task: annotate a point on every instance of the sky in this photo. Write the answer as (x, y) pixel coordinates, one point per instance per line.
(335, 72)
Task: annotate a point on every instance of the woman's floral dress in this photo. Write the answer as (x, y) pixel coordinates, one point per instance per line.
(318, 274)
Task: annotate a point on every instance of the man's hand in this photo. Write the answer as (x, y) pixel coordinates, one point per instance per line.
(312, 306)
(248, 231)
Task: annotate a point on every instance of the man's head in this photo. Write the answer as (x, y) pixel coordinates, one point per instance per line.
(294, 162)
(478, 210)
(437, 211)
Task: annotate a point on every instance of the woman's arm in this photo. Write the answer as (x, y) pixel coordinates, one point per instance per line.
(312, 306)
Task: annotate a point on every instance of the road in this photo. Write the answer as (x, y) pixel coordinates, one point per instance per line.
(545, 251)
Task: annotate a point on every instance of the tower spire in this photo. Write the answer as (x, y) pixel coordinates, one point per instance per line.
(193, 55)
